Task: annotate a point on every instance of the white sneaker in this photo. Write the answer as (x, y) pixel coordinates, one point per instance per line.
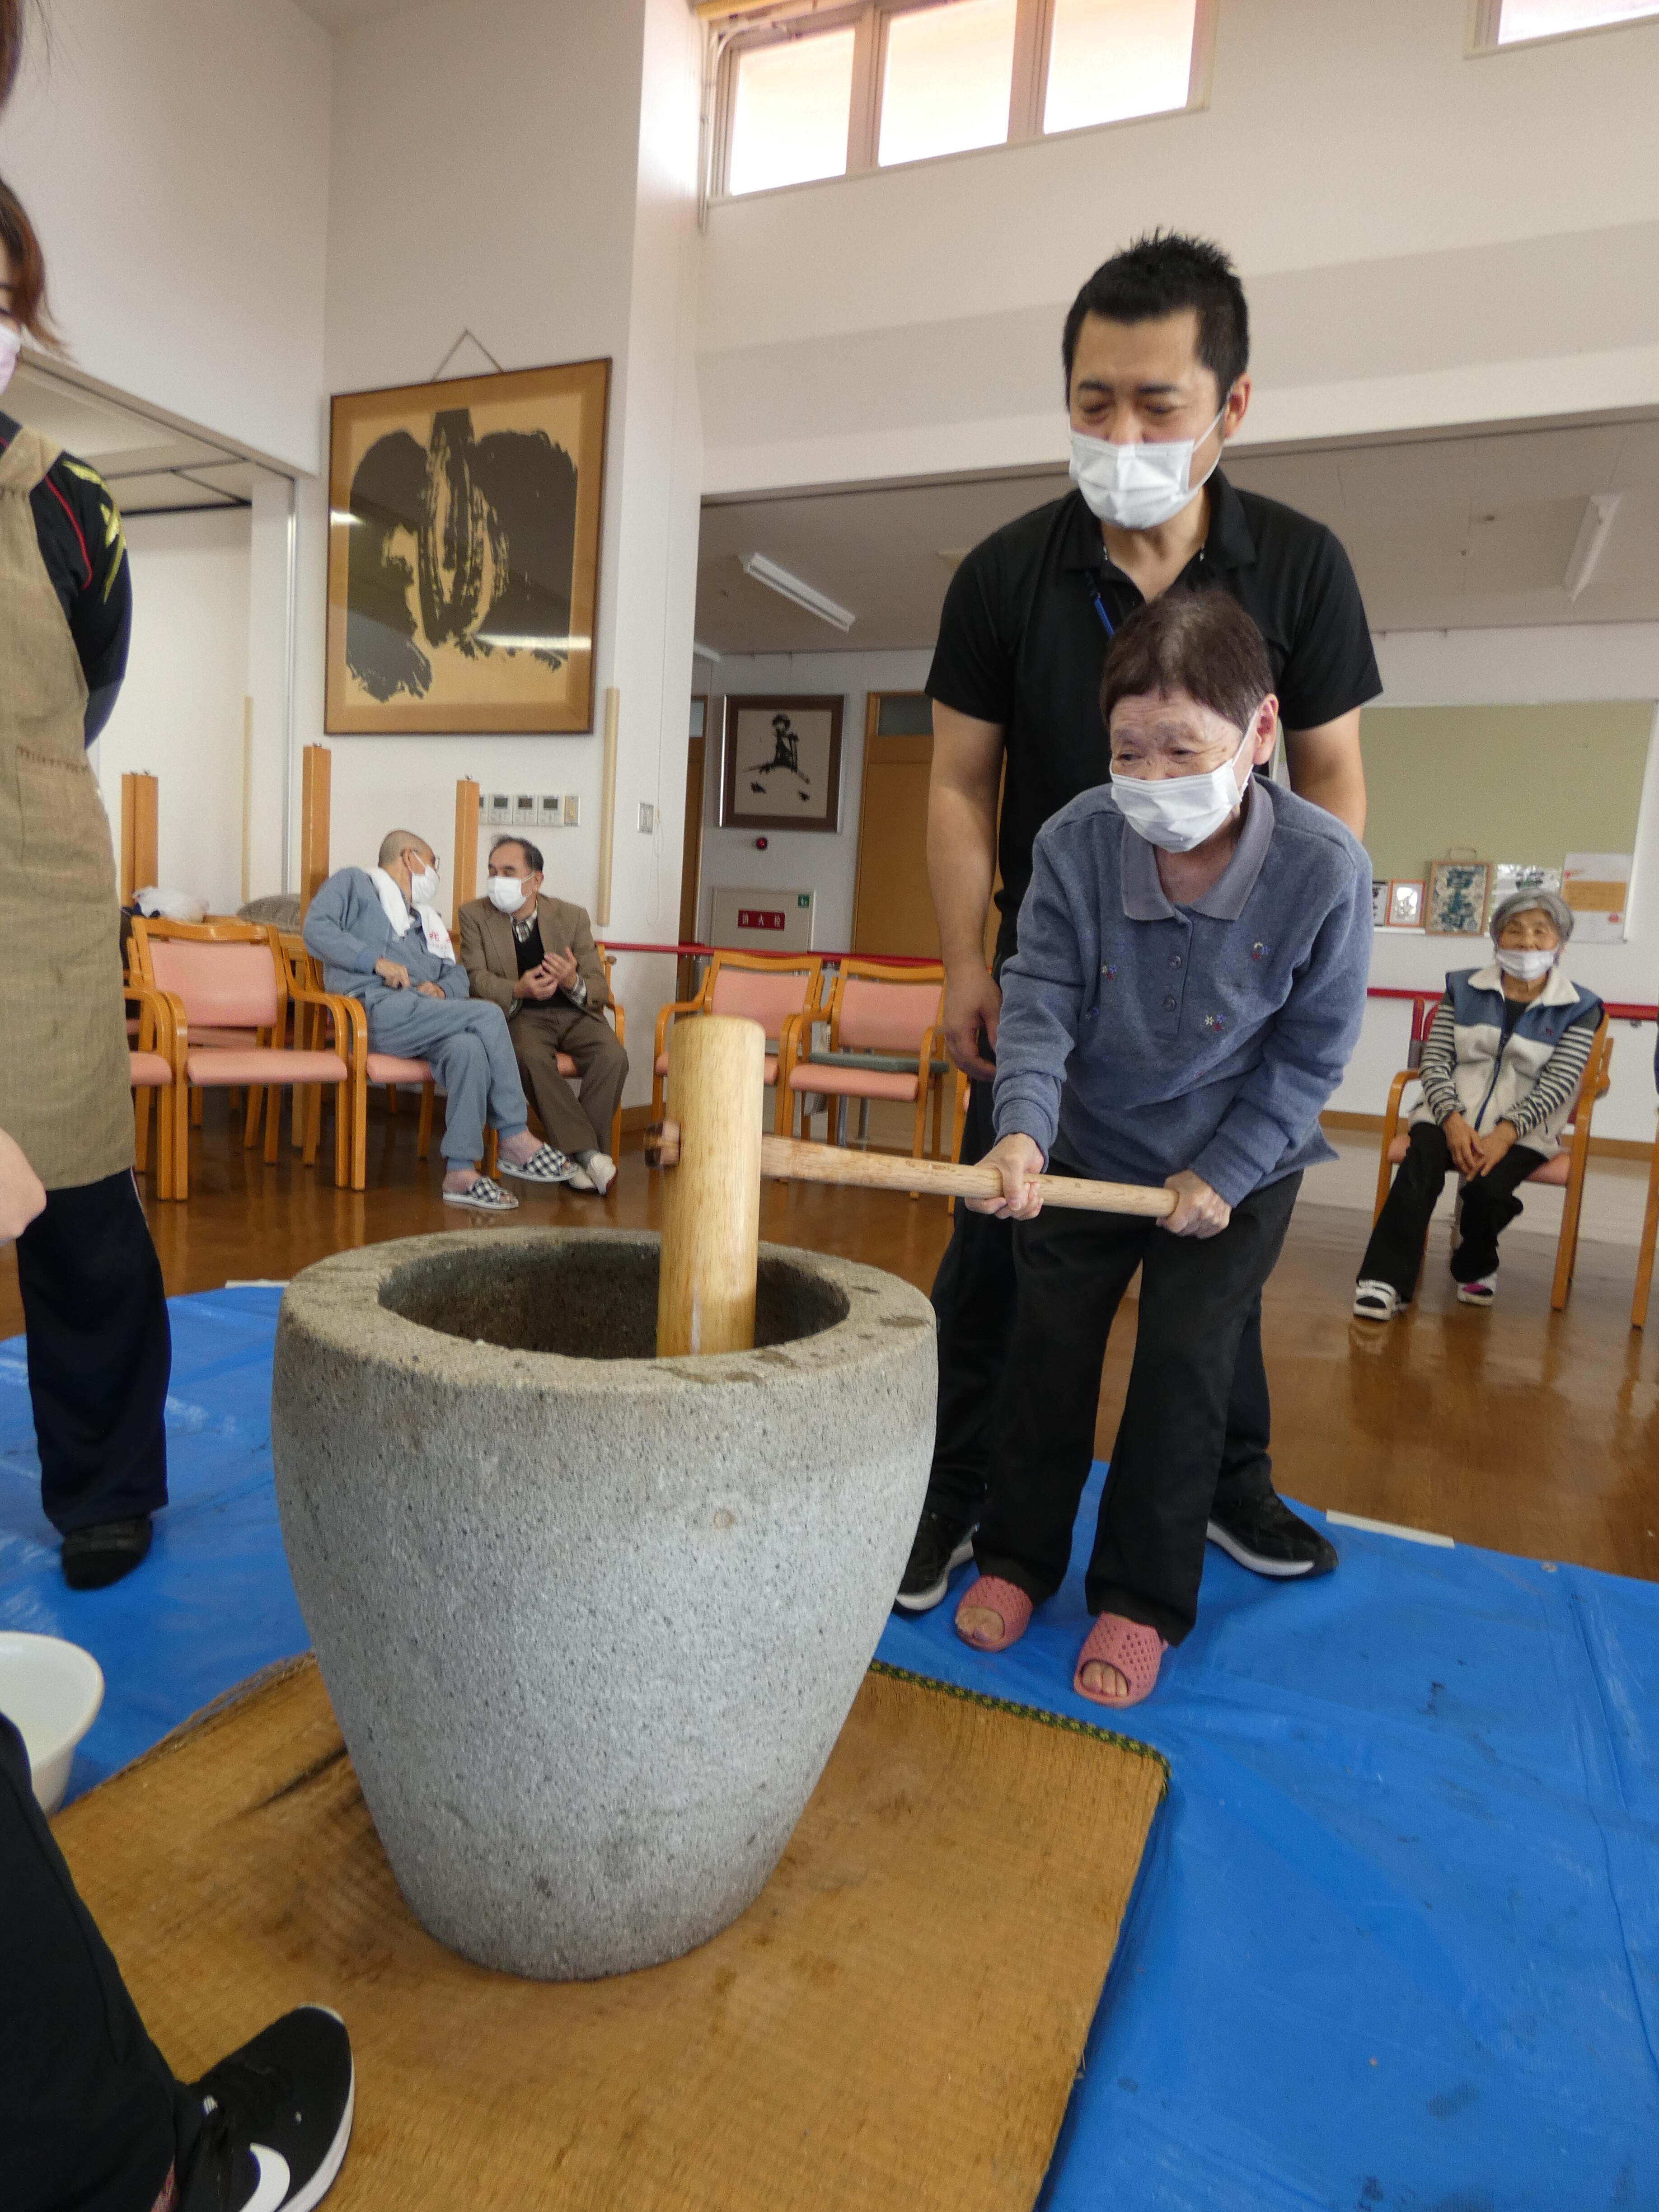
(1376, 1301)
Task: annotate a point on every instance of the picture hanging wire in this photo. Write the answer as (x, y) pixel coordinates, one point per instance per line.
(437, 372)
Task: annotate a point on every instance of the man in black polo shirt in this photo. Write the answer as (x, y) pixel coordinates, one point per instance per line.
(1156, 349)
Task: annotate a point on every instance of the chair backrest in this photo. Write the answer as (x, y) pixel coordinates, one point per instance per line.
(764, 991)
(1422, 1015)
(885, 1010)
(227, 975)
(1596, 1080)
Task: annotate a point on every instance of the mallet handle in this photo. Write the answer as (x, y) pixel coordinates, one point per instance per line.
(788, 1158)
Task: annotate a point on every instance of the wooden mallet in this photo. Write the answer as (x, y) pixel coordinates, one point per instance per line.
(711, 1203)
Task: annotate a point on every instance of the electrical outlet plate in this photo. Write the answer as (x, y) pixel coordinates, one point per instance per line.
(647, 818)
(573, 810)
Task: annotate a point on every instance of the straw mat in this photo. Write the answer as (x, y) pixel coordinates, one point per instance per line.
(897, 2021)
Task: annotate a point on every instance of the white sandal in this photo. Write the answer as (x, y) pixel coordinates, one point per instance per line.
(1376, 1301)
(545, 1165)
(487, 1196)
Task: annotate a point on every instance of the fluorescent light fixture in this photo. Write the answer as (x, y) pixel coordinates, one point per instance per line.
(791, 587)
(1587, 547)
(703, 652)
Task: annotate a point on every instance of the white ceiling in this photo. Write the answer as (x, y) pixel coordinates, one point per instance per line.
(345, 14)
(152, 466)
(1459, 533)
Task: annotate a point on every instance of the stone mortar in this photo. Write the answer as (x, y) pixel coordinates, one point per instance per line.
(591, 1623)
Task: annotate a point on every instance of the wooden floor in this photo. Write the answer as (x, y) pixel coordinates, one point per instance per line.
(1516, 1428)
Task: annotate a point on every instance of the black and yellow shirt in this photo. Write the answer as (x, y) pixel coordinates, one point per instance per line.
(78, 527)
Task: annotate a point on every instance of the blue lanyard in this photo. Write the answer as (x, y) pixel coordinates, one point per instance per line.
(1092, 585)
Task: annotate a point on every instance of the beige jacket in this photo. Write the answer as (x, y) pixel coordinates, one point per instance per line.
(489, 952)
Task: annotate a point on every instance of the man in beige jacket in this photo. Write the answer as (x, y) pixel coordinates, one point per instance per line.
(535, 958)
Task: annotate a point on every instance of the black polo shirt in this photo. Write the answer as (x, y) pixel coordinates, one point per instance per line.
(1022, 643)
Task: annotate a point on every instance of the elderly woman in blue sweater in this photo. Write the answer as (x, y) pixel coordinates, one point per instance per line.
(1501, 1068)
(1190, 981)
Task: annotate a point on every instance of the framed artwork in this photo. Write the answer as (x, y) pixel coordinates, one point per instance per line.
(1379, 901)
(1457, 897)
(781, 763)
(1405, 904)
(463, 553)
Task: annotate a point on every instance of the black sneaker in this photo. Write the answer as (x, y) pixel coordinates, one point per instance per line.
(940, 1546)
(276, 2116)
(1264, 1535)
(96, 1556)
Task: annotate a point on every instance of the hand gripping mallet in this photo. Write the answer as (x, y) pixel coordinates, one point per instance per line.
(711, 1202)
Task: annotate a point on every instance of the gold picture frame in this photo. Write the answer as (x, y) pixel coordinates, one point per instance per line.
(464, 536)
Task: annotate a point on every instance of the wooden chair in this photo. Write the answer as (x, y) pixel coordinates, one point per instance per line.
(1564, 1170)
(885, 1042)
(1638, 1304)
(230, 978)
(771, 989)
(367, 1067)
(156, 1049)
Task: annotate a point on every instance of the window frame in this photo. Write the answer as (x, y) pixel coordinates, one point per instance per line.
(1028, 92)
(1485, 21)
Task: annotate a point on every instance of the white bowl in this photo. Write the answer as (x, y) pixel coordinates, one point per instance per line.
(50, 1691)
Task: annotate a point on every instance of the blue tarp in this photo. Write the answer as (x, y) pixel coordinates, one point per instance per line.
(1395, 1942)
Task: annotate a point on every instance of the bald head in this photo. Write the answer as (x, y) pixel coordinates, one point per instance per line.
(397, 842)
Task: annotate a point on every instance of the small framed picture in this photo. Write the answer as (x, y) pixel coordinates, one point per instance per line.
(781, 763)
(1457, 897)
(1379, 901)
(1405, 904)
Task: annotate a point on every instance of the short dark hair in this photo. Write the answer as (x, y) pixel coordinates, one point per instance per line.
(1202, 643)
(1159, 275)
(533, 853)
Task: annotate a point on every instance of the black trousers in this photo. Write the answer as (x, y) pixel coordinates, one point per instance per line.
(974, 1303)
(1196, 1297)
(100, 1354)
(1489, 1204)
(90, 2116)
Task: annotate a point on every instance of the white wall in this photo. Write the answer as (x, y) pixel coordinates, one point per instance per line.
(179, 714)
(1427, 239)
(570, 233)
(173, 155)
(1432, 668)
(798, 860)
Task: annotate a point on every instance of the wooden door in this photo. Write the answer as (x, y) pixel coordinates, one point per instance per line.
(691, 849)
(892, 906)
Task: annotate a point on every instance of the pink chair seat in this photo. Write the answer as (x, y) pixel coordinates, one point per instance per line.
(1556, 1170)
(389, 1068)
(150, 1071)
(852, 1082)
(662, 1066)
(264, 1066)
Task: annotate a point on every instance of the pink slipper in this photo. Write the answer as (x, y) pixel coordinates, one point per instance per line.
(1012, 1606)
(1134, 1650)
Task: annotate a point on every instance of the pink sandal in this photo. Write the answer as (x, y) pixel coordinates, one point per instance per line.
(1133, 1649)
(1012, 1606)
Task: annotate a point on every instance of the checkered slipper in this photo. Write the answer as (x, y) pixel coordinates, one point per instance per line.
(547, 1166)
(1130, 1646)
(489, 1197)
(1010, 1606)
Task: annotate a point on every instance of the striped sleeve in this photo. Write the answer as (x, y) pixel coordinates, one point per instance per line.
(1437, 1071)
(1558, 1078)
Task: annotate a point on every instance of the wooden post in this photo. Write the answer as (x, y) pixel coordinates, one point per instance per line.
(247, 799)
(711, 1203)
(313, 821)
(607, 805)
(140, 806)
(467, 811)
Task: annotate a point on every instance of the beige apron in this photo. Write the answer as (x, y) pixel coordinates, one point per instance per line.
(65, 1088)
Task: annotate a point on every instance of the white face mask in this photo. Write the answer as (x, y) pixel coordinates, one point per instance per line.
(1179, 812)
(423, 888)
(506, 893)
(11, 344)
(1138, 487)
(1527, 967)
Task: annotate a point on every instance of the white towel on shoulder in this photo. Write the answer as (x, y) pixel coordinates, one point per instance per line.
(438, 943)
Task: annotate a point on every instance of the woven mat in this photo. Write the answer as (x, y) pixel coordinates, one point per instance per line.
(897, 2021)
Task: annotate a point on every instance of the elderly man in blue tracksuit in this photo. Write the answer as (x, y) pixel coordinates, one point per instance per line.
(380, 940)
(1194, 951)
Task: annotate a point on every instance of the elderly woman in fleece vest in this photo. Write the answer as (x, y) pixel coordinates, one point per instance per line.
(1501, 1067)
